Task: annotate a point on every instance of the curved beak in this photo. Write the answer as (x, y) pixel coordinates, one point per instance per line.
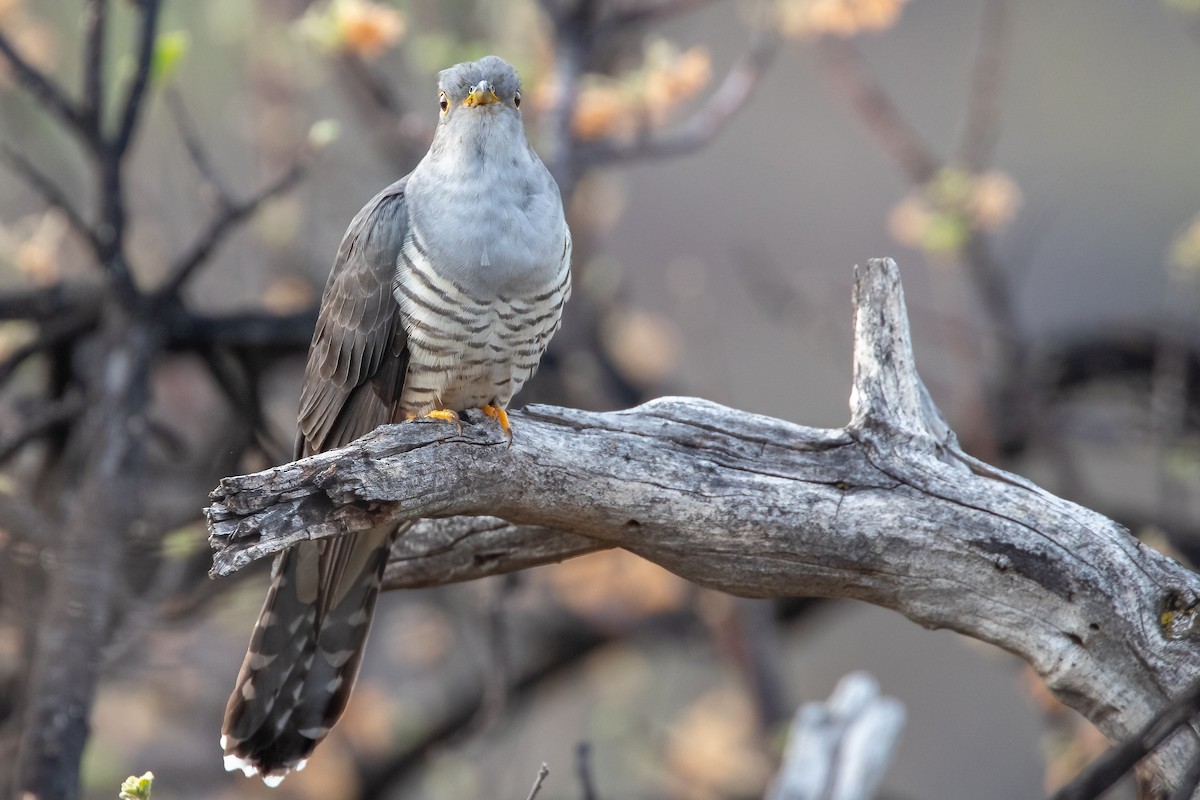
(481, 94)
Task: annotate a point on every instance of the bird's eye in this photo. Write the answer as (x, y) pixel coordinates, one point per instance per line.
(444, 102)
(517, 99)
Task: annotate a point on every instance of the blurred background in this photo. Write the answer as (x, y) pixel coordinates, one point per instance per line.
(175, 180)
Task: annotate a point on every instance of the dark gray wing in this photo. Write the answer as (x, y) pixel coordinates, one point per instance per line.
(306, 648)
(359, 353)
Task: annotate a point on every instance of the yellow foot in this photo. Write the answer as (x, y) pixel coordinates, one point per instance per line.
(497, 413)
(442, 415)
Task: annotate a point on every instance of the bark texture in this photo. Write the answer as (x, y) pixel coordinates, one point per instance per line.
(887, 509)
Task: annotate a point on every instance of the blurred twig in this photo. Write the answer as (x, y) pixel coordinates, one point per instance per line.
(95, 21)
(981, 121)
(498, 678)
(261, 332)
(703, 125)
(230, 212)
(50, 193)
(757, 652)
(50, 416)
(132, 107)
(563, 643)
(575, 38)
(400, 135)
(50, 334)
(46, 90)
(845, 67)
(230, 215)
(51, 302)
(196, 150)
(649, 11)
(583, 768)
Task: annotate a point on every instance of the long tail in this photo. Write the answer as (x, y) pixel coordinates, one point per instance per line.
(304, 653)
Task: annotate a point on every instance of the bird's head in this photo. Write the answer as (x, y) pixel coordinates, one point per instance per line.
(478, 89)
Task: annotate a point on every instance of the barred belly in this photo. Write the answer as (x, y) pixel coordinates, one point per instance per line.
(468, 350)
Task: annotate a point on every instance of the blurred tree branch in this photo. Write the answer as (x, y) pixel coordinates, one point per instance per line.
(43, 88)
(1102, 774)
(95, 505)
(583, 768)
(849, 74)
(231, 214)
(708, 120)
(981, 121)
(41, 422)
(841, 748)
(887, 510)
(649, 11)
(104, 339)
(50, 193)
(565, 641)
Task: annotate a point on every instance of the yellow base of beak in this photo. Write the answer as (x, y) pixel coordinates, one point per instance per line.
(478, 98)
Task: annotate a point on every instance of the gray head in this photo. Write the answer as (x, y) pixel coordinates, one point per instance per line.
(490, 81)
(481, 117)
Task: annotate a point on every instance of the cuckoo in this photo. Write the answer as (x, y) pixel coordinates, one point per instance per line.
(444, 293)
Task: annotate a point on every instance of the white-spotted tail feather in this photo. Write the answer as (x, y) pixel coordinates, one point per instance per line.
(304, 653)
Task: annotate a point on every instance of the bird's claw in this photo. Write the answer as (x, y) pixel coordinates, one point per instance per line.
(444, 415)
(500, 415)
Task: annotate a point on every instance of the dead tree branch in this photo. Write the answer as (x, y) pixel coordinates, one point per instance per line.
(888, 510)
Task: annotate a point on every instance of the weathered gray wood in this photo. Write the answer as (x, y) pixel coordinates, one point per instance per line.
(435, 552)
(888, 510)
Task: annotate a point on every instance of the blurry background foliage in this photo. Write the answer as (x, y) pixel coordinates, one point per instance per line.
(1032, 167)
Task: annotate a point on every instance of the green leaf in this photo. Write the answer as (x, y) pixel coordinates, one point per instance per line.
(184, 542)
(946, 235)
(135, 788)
(169, 50)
